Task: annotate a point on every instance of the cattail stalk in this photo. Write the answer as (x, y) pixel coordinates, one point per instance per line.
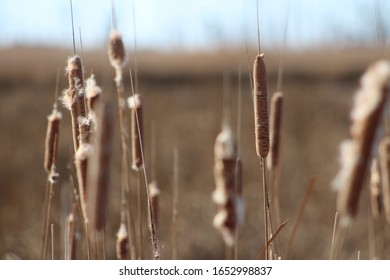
(262, 130)
(356, 152)
(375, 183)
(70, 234)
(273, 160)
(51, 145)
(117, 56)
(99, 171)
(175, 200)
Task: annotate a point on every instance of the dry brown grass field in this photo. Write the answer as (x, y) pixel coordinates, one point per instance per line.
(183, 93)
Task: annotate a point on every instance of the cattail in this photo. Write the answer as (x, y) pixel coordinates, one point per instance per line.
(83, 154)
(135, 104)
(366, 115)
(70, 234)
(99, 170)
(154, 193)
(122, 243)
(384, 161)
(225, 153)
(75, 72)
(73, 98)
(275, 124)
(86, 128)
(375, 189)
(261, 106)
(51, 141)
(116, 52)
(93, 93)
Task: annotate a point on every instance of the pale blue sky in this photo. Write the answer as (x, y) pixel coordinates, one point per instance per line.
(189, 24)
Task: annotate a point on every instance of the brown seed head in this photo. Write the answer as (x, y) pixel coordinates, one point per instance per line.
(75, 72)
(116, 50)
(51, 141)
(261, 106)
(93, 92)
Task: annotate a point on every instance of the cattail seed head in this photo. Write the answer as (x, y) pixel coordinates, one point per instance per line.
(116, 50)
(93, 93)
(135, 104)
(384, 161)
(51, 141)
(375, 189)
(122, 243)
(225, 153)
(275, 125)
(75, 72)
(99, 170)
(261, 106)
(366, 115)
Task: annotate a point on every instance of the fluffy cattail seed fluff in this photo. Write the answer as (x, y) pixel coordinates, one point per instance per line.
(135, 104)
(93, 92)
(122, 243)
(261, 106)
(51, 138)
(116, 50)
(366, 115)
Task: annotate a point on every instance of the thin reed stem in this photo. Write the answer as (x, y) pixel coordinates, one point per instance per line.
(175, 197)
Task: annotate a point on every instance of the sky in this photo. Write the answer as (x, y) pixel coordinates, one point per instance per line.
(169, 25)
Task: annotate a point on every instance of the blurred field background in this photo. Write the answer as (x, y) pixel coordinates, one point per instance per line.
(183, 93)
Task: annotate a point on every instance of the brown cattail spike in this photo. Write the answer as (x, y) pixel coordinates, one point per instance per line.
(275, 123)
(384, 161)
(75, 72)
(375, 187)
(366, 115)
(116, 50)
(261, 106)
(135, 104)
(99, 170)
(51, 141)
